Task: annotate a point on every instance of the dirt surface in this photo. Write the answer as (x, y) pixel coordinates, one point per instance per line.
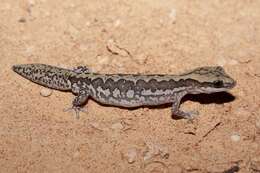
(130, 37)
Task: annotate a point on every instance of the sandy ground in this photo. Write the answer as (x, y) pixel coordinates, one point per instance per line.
(130, 37)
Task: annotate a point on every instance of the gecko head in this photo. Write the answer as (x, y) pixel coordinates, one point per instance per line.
(212, 79)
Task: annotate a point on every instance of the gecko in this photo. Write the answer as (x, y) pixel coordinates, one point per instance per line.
(129, 90)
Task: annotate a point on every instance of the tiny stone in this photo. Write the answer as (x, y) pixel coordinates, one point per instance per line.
(154, 149)
(47, 13)
(241, 93)
(157, 167)
(242, 111)
(45, 92)
(87, 23)
(164, 152)
(117, 126)
(22, 20)
(161, 21)
(221, 61)
(235, 138)
(73, 31)
(29, 50)
(148, 155)
(255, 163)
(233, 62)
(156, 170)
(115, 49)
(258, 123)
(72, 5)
(102, 59)
(131, 155)
(117, 23)
(97, 126)
(172, 15)
(31, 2)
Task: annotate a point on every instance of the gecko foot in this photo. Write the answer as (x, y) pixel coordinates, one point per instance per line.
(187, 115)
(76, 109)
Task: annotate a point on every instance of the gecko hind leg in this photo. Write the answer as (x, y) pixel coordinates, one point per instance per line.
(187, 115)
(77, 104)
(176, 109)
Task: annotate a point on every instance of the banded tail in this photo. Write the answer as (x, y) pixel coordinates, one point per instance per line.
(45, 75)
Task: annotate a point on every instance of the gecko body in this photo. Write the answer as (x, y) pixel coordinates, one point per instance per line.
(128, 90)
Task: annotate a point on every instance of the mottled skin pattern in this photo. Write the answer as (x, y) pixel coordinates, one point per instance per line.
(128, 90)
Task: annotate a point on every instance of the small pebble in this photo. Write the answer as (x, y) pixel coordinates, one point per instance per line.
(154, 150)
(131, 155)
(87, 23)
(255, 163)
(148, 155)
(98, 126)
(31, 2)
(241, 111)
(156, 167)
(113, 48)
(102, 59)
(172, 15)
(22, 20)
(45, 92)
(47, 14)
(221, 61)
(258, 123)
(233, 62)
(117, 23)
(73, 31)
(235, 138)
(117, 126)
(164, 152)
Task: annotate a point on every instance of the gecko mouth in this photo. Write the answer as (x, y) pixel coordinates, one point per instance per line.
(230, 85)
(223, 88)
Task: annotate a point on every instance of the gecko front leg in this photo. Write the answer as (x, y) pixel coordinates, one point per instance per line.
(79, 101)
(176, 107)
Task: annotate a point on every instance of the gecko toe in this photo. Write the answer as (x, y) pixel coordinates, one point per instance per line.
(76, 109)
(186, 115)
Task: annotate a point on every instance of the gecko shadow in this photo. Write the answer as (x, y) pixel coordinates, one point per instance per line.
(217, 98)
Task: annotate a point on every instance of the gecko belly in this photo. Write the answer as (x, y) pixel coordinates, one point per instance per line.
(151, 101)
(131, 99)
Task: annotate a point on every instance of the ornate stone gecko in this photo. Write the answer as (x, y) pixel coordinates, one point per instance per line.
(128, 90)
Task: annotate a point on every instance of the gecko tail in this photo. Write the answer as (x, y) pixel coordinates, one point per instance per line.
(45, 75)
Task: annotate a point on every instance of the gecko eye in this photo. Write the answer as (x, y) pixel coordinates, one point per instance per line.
(218, 84)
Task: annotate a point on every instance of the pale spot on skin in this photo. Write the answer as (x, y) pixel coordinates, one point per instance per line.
(116, 93)
(75, 88)
(106, 92)
(130, 93)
